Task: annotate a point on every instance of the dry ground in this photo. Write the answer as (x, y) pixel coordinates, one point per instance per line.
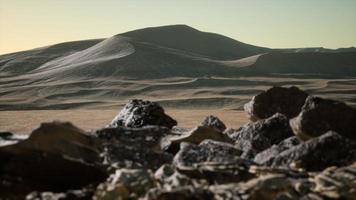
(23, 122)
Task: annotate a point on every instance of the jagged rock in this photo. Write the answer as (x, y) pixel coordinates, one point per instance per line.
(214, 122)
(213, 161)
(318, 153)
(275, 150)
(287, 101)
(139, 113)
(194, 136)
(85, 193)
(56, 157)
(125, 184)
(321, 115)
(255, 137)
(169, 178)
(271, 186)
(337, 183)
(134, 147)
(180, 193)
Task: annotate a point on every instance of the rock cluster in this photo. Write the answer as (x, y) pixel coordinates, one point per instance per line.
(291, 150)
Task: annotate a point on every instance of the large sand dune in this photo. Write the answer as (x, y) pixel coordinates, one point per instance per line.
(176, 65)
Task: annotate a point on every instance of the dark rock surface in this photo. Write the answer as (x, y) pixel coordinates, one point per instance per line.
(321, 115)
(214, 122)
(255, 137)
(275, 150)
(138, 113)
(50, 159)
(134, 147)
(194, 136)
(140, 156)
(213, 161)
(329, 149)
(287, 101)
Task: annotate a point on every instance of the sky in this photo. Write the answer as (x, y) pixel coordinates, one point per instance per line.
(27, 24)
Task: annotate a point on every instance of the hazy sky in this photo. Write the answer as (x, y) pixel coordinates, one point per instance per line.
(26, 24)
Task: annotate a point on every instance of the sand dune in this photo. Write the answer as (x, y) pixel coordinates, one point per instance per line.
(178, 66)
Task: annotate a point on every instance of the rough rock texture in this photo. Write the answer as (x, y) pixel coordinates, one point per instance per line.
(195, 136)
(275, 150)
(213, 161)
(330, 149)
(337, 183)
(321, 115)
(287, 101)
(261, 160)
(255, 137)
(139, 113)
(214, 122)
(50, 159)
(134, 147)
(125, 184)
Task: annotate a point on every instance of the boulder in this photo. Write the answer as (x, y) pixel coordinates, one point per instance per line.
(139, 113)
(213, 122)
(56, 157)
(255, 137)
(287, 101)
(133, 147)
(180, 193)
(211, 160)
(316, 154)
(195, 136)
(337, 183)
(321, 115)
(125, 184)
(275, 150)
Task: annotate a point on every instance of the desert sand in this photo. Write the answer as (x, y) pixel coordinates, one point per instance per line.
(88, 120)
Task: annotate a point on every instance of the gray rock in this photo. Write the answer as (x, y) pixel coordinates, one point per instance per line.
(287, 101)
(337, 183)
(321, 115)
(180, 193)
(134, 147)
(275, 150)
(316, 154)
(51, 159)
(214, 122)
(195, 136)
(255, 137)
(213, 161)
(139, 113)
(125, 184)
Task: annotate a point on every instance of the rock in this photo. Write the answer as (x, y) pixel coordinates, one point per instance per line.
(275, 150)
(316, 154)
(321, 115)
(213, 161)
(56, 157)
(271, 186)
(195, 136)
(255, 137)
(8, 138)
(139, 113)
(287, 101)
(85, 193)
(181, 193)
(214, 122)
(337, 183)
(169, 178)
(125, 184)
(134, 147)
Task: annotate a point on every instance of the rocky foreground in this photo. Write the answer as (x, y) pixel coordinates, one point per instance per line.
(296, 147)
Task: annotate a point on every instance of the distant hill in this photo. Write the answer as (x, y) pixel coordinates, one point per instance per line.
(143, 63)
